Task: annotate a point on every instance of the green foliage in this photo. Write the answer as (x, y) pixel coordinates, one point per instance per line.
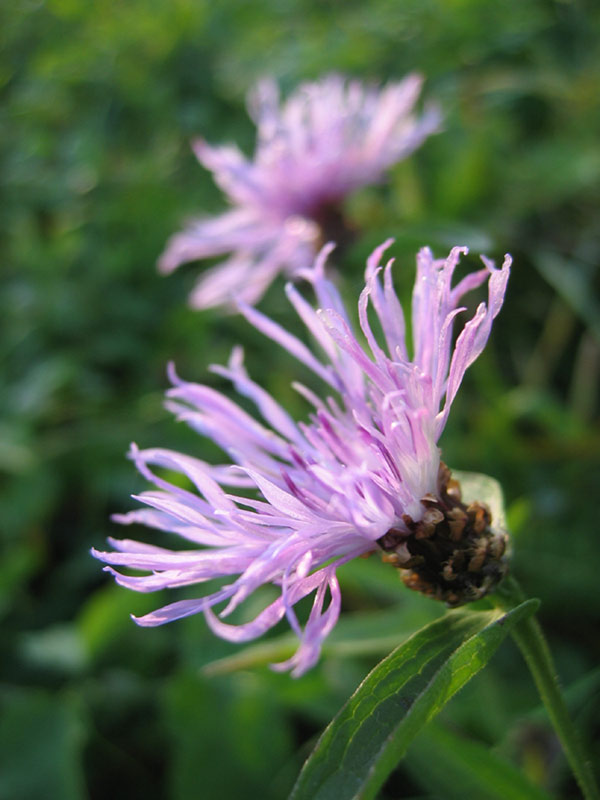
(41, 742)
(248, 728)
(406, 690)
(99, 101)
(453, 767)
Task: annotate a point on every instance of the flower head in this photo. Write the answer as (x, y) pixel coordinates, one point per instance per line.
(326, 140)
(361, 474)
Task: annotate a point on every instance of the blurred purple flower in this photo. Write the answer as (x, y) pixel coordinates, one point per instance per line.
(326, 140)
(328, 489)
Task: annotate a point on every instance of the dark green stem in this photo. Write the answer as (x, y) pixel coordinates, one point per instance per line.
(532, 643)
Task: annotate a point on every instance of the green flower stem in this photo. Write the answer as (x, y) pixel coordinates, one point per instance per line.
(531, 642)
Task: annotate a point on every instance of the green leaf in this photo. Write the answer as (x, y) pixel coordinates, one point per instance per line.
(454, 767)
(376, 632)
(363, 744)
(477, 486)
(530, 640)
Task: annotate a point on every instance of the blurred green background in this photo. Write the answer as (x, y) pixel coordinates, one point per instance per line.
(99, 102)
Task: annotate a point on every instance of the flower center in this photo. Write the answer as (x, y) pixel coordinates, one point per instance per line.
(333, 226)
(451, 553)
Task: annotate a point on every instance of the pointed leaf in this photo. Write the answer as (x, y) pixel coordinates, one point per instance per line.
(363, 744)
(375, 632)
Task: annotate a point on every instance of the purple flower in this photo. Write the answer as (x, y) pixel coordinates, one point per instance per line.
(362, 468)
(326, 140)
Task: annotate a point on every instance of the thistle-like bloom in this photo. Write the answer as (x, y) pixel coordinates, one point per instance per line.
(361, 474)
(326, 140)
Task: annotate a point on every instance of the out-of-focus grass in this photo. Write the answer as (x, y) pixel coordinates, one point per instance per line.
(98, 103)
